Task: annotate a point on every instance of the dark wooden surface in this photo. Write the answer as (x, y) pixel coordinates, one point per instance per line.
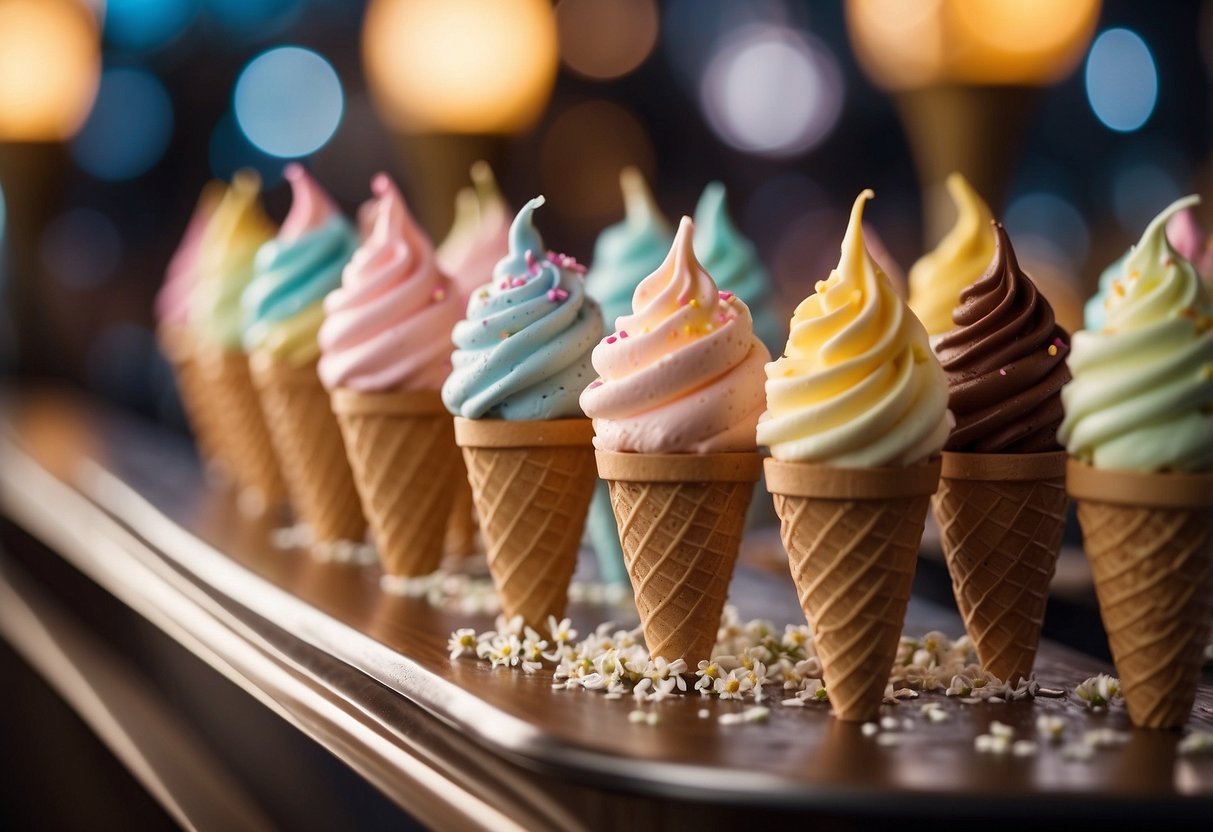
(75, 474)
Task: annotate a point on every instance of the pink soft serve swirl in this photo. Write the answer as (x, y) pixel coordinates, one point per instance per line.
(388, 326)
(310, 205)
(173, 299)
(684, 373)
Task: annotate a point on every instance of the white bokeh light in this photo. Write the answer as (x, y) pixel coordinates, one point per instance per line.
(1121, 80)
(288, 102)
(772, 91)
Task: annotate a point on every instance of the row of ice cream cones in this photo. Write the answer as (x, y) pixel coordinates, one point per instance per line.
(538, 402)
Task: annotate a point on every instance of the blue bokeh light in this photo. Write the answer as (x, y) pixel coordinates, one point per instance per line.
(288, 101)
(129, 127)
(141, 25)
(1121, 80)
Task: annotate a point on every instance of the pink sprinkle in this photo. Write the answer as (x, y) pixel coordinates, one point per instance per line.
(557, 295)
(518, 281)
(1003, 371)
(595, 383)
(439, 294)
(623, 333)
(530, 259)
(610, 339)
(726, 296)
(505, 284)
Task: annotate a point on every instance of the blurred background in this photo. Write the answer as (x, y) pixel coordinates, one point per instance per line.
(1077, 120)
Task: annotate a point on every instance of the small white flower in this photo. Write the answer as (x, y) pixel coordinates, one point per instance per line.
(794, 702)
(732, 686)
(1023, 748)
(756, 714)
(814, 690)
(1098, 691)
(708, 673)
(1051, 727)
(462, 641)
(937, 715)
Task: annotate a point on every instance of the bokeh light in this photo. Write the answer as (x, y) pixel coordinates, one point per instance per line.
(1046, 226)
(581, 155)
(288, 101)
(50, 60)
(81, 249)
(606, 40)
(772, 91)
(906, 44)
(1122, 81)
(460, 66)
(142, 25)
(129, 128)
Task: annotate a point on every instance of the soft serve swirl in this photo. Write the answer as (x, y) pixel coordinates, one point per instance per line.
(858, 385)
(523, 351)
(1142, 394)
(684, 372)
(388, 326)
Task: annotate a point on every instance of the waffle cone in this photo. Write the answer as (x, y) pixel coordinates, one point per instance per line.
(680, 519)
(1149, 541)
(241, 424)
(401, 448)
(308, 443)
(852, 538)
(178, 345)
(1001, 519)
(531, 484)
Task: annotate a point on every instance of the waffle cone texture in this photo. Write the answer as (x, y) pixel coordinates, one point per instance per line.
(531, 484)
(178, 345)
(241, 424)
(852, 538)
(680, 519)
(401, 449)
(1001, 519)
(1148, 539)
(310, 449)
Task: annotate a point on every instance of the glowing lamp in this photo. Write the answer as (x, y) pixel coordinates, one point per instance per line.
(460, 66)
(907, 44)
(50, 61)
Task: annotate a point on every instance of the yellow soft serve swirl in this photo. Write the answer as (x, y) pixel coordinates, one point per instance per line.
(858, 385)
(961, 257)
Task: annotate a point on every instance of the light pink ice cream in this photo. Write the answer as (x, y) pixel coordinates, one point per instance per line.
(1189, 239)
(173, 299)
(388, 327)
(684, 373)
(480, 236)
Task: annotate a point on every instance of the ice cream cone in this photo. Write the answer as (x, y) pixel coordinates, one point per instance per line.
(1001, 518)
(241, 425)
(531, 483)
(852, 537)
(179, 348)
(1148, 539)
(401, 448)
(680, 519)
(308, 443)
(461, 526)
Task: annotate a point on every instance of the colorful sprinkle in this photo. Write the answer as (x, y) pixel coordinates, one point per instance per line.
(439, 294)
(694, 303)
(556, 295)
(1003, 371)
(1052, 349)
(483, 294)
(611, 339)
(726, 296)
(623, 333)
(595, 383)
(518, 281)
(505, 284)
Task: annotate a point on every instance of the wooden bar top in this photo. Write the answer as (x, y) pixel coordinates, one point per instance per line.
(127, 505)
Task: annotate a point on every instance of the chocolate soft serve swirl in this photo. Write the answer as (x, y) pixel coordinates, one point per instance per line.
(1005, 362)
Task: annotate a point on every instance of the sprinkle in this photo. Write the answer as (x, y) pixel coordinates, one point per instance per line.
(693, 303)
(1118, 289)
(1052, 349)
(623, 333)
(726, 296)
(611, 339)
(505, 284)
(483, 294)
(439, 294)
(532, 265)
(1003, 371)
(518, 281)
(504, 334)
(595, 383)
(556, 295)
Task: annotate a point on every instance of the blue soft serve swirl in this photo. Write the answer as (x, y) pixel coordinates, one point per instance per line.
(523, 351)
